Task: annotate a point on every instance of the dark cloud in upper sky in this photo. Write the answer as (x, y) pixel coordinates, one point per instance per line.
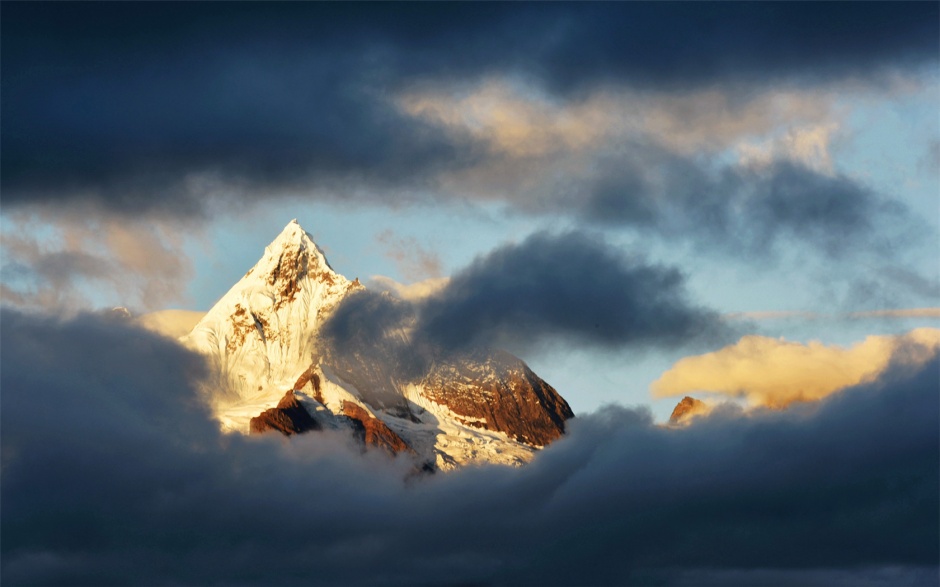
(750, 211)
(114, 474)
(142, 106)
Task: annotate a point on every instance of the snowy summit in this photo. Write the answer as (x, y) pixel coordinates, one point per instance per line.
(269, 372)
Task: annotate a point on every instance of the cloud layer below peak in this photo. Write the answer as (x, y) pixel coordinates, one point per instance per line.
(113, 473)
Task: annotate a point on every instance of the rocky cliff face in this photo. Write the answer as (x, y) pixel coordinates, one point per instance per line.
(374, 432)
(262, 338)
(288, 417)
(500, 393)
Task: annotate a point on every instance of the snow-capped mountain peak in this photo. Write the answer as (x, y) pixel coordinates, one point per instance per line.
(270, 373)
(292, 256)
(261, 333)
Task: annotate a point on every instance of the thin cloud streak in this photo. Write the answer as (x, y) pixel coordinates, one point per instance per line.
(66, 260)
(804, 315)
(415, 261)
(899, 313)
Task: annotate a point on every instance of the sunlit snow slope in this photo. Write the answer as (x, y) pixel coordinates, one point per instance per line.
(261, 340)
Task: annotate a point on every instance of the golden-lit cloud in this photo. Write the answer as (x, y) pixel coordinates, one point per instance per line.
(412, 291)
(808, 145)
(538, 144)
(68, 260)
(512, 122)
(775, 373)
(171, 323)
(415, 261)
(521, 122)
(903, 313)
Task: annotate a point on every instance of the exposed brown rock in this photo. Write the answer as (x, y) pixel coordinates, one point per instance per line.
(310, 376)
(289, 417)
(504, 395)
(374, 431)
(242, 325)
(287, 275)
(326, 277)
(685, 409)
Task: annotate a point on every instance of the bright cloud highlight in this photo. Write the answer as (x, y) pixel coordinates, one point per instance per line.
(776, 373)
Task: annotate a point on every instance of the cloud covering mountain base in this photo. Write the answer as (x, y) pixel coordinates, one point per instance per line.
(113, 473)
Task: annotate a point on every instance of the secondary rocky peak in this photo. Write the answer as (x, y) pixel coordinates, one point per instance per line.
(500, 393)
(686, 409)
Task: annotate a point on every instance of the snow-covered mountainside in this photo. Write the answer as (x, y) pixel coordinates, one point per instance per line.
(270, 372)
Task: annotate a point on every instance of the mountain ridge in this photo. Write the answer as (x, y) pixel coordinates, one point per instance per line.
(267, 359)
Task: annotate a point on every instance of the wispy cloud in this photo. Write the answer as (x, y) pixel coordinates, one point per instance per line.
(808, 145)
(898, 313)
(412, 291)
(775, 315)
(805, 315)
(416, 262)
(68, 260)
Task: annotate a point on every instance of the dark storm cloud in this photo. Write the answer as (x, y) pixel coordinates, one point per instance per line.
(144, 106)
(113, 474)
(748, 211)
(570, 286)
(569, 289)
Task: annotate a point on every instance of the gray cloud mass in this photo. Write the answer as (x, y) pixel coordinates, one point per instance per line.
(570, 289)
(741, 210)
(569, 285)
(113, 473)
(176, 112)
(147, 107)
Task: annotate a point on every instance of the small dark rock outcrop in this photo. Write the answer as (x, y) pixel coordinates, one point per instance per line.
(373, 431)
(310, 377)
(289, 417)
(685, 409)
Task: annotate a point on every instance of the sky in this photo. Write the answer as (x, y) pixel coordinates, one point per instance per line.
(736, 201)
